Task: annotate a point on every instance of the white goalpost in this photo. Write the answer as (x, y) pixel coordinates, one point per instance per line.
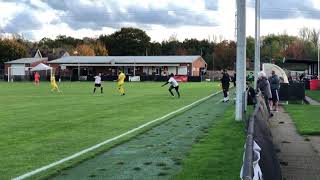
(22, 72)
(26, 73)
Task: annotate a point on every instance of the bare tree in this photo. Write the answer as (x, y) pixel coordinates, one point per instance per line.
(214, 38)
(221, 38)
(173, 37)
(310, 35)
(314, 36)
(304, 33)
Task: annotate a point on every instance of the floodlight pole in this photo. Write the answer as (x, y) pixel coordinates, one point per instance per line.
(241, 58)
(9, 74)
(257, 44)
(78, 72)
(318, 61)
(213, 67)
(134, 67)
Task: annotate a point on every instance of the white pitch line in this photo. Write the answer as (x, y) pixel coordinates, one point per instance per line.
(44, 168)
(220, 101)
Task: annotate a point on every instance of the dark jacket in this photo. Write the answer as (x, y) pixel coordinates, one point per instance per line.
(225, 80)
(274, 82)
(264, 86)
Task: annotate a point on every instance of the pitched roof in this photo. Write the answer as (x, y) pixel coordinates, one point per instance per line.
(124, 59)
(26, 60)
(41, 67)
(38, 54)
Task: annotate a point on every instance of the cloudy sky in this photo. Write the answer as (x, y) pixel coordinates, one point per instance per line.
(200, 19)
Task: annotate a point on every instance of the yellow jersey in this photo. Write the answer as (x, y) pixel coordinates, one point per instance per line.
(53, 81)
(121, 78)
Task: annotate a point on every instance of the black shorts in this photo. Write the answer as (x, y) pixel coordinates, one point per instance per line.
(275, 95)
(176, 88)
(97, 85)
(225, 87)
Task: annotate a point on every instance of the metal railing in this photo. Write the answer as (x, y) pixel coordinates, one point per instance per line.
(247, 173)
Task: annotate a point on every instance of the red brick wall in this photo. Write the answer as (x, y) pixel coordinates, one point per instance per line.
(6, 68)
(196, 65)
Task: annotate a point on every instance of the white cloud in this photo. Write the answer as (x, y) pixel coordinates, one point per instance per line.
(160, 19)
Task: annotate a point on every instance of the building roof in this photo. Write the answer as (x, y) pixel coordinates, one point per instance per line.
(26, 60)
(41, 67)
(124, 59)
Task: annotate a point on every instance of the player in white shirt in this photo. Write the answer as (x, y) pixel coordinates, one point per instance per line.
(97, 83)
(174, 85)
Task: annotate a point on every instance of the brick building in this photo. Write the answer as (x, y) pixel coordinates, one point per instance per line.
(82, 67)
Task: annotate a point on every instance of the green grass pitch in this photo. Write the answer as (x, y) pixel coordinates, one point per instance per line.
(39, 127)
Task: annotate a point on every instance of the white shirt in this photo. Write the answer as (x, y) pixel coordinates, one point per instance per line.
(173, 82)
(97, 80)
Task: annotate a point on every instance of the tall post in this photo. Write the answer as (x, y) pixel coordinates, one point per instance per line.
(257, 44)
(213, 66)
(9, 74)
(78, 72)
(241, 58)
(318, 60)
(134, 67)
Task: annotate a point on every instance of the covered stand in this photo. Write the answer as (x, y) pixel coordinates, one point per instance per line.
(42, 67)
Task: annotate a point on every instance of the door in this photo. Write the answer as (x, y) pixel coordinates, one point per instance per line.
(183, 70)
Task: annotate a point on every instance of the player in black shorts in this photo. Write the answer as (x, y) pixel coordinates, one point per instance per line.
(174, 85)
(97, 83)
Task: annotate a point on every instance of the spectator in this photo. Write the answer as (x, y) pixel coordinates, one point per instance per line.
(301, 77)
(234, 79)
(290, 79)
(250, 77)
(251, 94)
(225, 83)
(274, 86)
(263, 85)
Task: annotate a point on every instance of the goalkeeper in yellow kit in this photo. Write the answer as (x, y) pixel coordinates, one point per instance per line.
(54, 86)
(121, 78)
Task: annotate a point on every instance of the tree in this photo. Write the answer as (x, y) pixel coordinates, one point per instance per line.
(170, 47)
(84, 50)
(11, 49)
(250, 48)
(301, 50)
(225, 55)
(127, 42)
(314, 36)
(304, 33)
(181, 51)
(155, 49)
(63, 40)
(295, 50)
(309, 35)
(99, 49)
(274, 46)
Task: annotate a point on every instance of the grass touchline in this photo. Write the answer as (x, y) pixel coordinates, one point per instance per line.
(29, 174)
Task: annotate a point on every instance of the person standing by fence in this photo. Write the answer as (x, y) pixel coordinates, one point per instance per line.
(275, 86)
(264, 86)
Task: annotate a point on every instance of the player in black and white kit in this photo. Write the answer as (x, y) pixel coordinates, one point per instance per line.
(174, 85)
(97, 83)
